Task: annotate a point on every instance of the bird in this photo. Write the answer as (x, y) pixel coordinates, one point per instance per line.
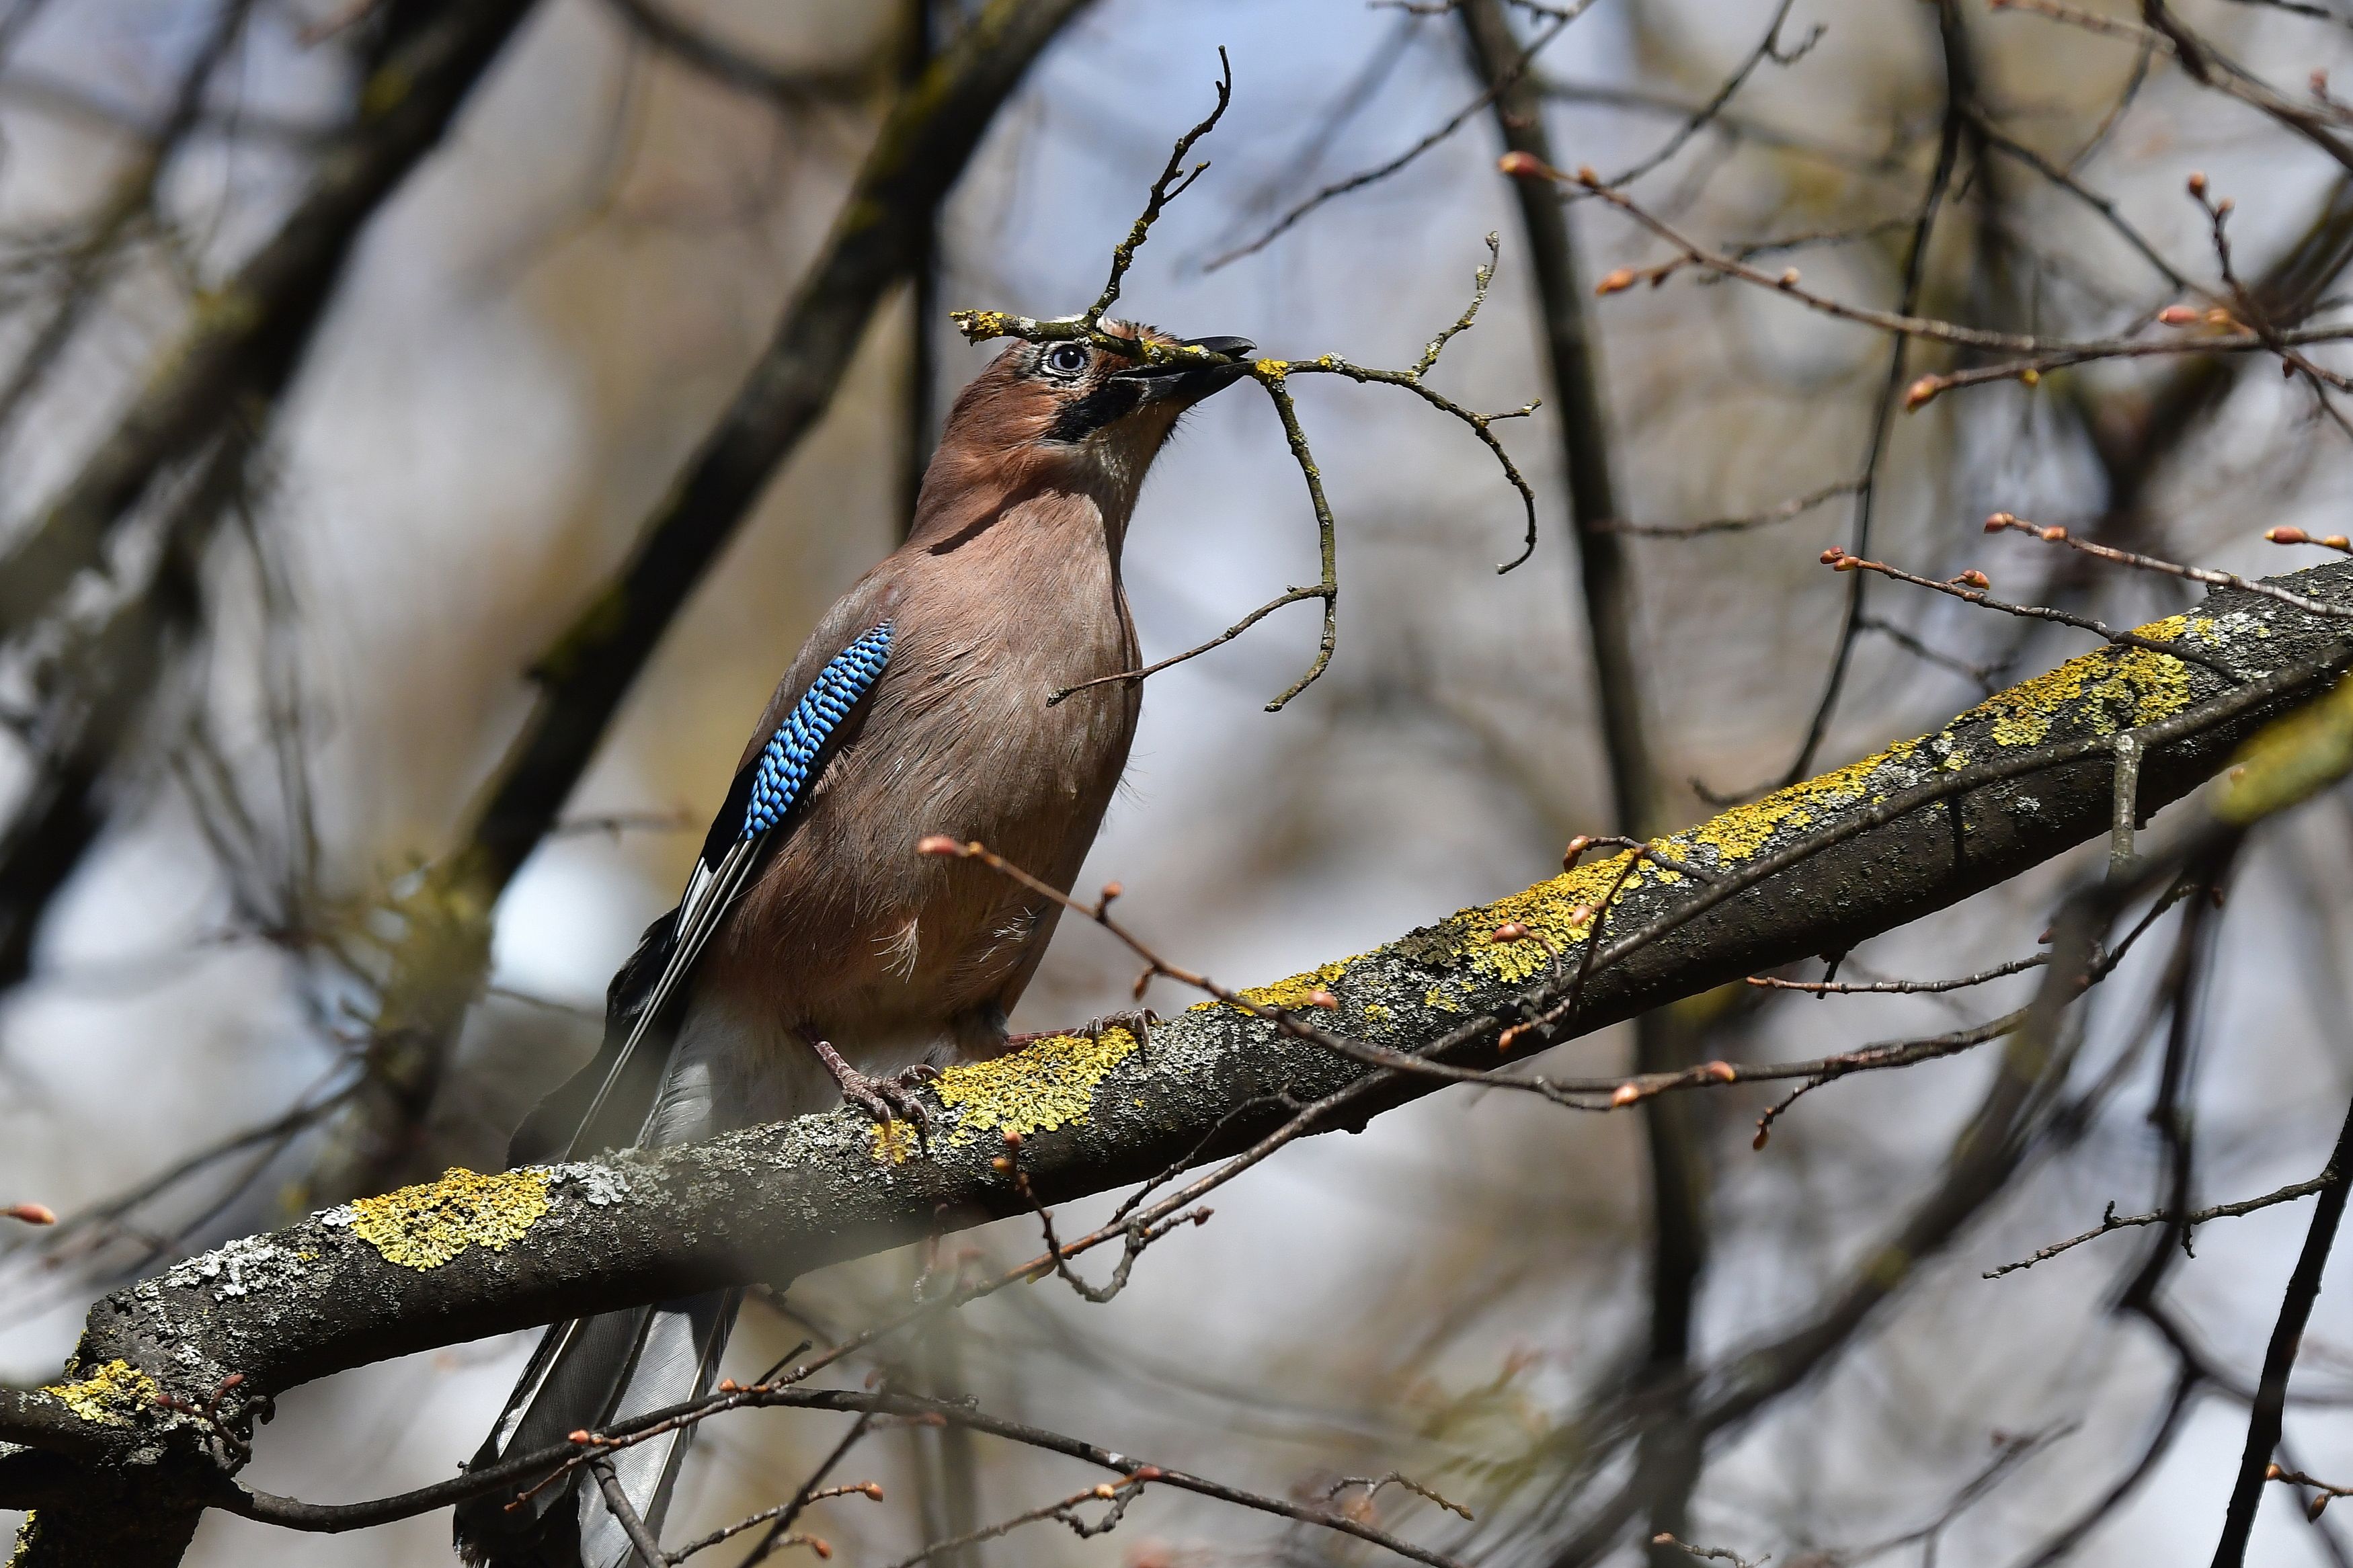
(816, 956)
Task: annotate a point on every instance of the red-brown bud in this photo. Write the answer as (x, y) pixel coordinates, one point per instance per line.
(2197, 182)
(2287, 534)
(1722, 1072)
(31, 1214)
(1625, 1094)
(1973, 578)
(1788, 279)
(2336, 541)
(2054, 535)
(1616, 282)
(938, 844)
(1510, 930)
(2177, 315)
(1145, 1473)
(1324, 999)
(1921, 391)
(1012, 1138)
(1521, 164)
(1575, 850)
(1832, 556)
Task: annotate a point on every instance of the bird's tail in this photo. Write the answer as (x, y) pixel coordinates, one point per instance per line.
(592, 1372)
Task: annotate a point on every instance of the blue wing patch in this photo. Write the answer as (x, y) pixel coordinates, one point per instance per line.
(783, 765)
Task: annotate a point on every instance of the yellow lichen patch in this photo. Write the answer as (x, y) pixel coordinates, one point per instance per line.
(110, 1395)
(1300, 989)
(894, 1143)
(1558, 911)
(1035, 1088)
(1744, 830)
(2125, 688)
(425, 1227)
(26, 1533)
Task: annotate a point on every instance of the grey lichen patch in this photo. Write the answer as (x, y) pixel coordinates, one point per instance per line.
(587, 1181)
(249, 1264)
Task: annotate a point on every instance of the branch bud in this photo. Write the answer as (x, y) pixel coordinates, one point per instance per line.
(1973, 578)
(1576, 851)
(1921, 391)
(1617, 282)
(2177, 315)
(2287, 534)
(2197, 182)
(1522, 164)
(31, 1214)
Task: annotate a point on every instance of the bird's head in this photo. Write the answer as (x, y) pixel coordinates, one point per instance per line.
(1067, 416)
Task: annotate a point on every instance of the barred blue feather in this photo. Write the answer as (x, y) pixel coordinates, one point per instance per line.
(784, 764)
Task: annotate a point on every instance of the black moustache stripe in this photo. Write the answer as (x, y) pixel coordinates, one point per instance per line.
(1113, 400)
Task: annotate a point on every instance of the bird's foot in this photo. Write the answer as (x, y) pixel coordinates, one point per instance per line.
(886, 1100)
(1136, 1021)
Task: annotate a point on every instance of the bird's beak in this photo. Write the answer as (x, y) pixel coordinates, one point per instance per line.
(1188, 383)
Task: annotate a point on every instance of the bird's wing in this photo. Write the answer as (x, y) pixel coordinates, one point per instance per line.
(758, 812)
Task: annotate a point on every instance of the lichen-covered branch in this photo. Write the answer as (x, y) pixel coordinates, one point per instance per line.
(1821, 866)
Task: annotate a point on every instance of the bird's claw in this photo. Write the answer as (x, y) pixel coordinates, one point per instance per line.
(891, 1099)
(1136, 1021)
(885, 1099)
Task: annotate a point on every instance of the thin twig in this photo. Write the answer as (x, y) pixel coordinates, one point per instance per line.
(2111, 1221)
(1901, 987)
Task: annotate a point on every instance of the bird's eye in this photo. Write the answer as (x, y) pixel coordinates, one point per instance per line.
(1065, 359)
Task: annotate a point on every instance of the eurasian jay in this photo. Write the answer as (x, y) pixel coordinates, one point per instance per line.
(815, 953)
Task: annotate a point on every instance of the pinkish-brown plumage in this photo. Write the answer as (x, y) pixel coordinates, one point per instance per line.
(846, 940)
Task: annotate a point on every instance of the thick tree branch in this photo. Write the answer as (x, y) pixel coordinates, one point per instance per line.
(2012, 782)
